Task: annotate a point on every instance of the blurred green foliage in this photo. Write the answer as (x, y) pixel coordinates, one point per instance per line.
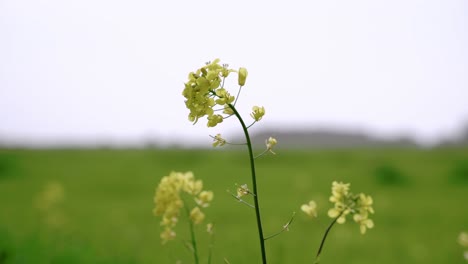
(389, 175)
(419, 195)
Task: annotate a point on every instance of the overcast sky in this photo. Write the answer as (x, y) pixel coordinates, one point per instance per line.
(91, 70)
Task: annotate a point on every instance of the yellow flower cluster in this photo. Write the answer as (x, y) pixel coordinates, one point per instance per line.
(204, 90)
(168, 201)
(347, 203)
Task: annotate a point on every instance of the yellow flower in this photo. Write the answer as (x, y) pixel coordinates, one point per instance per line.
(310, 209)
(242, 76)
(218, 141)
(242, 190)
(204, 198)
(167, 234)
(223, 97)
(339, 191)
(257, 113)
(209, 228)
(197, 216)
(364, 222)
(342, 212)
(365, 203)
(228, 110)
(270, 143)
(213, 120)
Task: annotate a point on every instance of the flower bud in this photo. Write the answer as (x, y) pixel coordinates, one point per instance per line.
(242, 76)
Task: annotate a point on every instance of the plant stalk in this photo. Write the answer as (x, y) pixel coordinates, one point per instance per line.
(192, 234)
(254, 184)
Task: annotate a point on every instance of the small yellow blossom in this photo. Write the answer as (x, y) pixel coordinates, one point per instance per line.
(204, 198)
(310, 209)
(365, 203)
(335, 212)
(257, 113)
(270, 143)
(228, 110)
(223, 97)
(364, 222)
(167, 234)
(243, 190)
(213, 120)
(209, 228)
(339, 191)
(242, 76)
(218, 141)
(197, 216)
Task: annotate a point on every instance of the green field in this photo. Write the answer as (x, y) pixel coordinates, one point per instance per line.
(420, 199)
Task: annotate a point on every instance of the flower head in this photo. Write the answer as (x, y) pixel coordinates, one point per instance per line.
(168, 200)
(204, 90)
(346, 203)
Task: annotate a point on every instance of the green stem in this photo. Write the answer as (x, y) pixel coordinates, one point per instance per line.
(325, 237)
(254, 184)
(192, 233)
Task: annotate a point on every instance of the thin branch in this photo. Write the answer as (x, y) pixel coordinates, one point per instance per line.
(285, 227)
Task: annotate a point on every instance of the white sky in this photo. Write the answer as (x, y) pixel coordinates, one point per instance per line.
(87, 70)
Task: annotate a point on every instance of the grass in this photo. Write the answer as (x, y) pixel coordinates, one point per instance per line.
(420, 201)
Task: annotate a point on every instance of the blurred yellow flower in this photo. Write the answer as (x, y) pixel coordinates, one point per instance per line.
(167, 234)
(310, 209)
(346, 203)
(197, 216)
(463, 239)
(168, 200)
(364, 222)
(204, 198)
(270, 143)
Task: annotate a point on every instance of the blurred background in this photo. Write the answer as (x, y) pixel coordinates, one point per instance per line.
(368, 92)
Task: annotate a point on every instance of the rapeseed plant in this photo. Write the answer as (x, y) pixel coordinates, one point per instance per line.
(206, 96)
(169, 201)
